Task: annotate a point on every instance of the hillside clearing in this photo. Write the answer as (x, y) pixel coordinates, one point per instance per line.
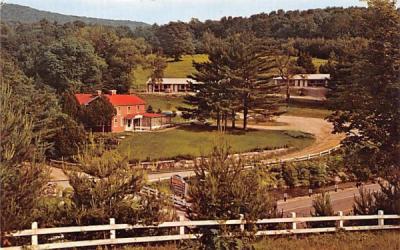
(183, 69)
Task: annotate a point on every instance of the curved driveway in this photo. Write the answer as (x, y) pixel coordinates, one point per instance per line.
(322, 130)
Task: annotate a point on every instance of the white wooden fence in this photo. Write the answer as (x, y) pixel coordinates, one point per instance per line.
(145, 165)
(183, 225)
(305, 157)
(176, 200)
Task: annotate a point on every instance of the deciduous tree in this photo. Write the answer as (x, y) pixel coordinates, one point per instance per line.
(98, 113)
(175, 39)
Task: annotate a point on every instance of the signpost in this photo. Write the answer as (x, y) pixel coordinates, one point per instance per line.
(178, 185)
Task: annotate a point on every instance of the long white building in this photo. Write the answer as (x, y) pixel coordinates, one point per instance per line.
(170, 85)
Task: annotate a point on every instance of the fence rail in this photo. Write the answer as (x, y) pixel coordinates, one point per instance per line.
(176, 200)
(182, 227)
(146, 165)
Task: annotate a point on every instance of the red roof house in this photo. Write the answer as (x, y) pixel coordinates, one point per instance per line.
(131, 112)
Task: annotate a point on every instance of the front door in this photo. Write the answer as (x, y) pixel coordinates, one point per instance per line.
(136, 123)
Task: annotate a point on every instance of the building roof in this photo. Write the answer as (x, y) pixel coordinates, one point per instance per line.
(116, 100)
(176, 81)
(84, 99)
(124, 100)
(308, 77)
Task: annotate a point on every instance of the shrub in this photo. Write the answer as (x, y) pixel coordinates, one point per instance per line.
(322, 207)
(289, 174)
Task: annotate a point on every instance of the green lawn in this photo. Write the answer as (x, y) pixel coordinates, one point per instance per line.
(190, 141)
(169, 103)
(307, 112)
(163, 102)
(180, 69)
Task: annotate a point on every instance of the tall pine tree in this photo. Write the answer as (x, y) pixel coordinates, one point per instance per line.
(366, 95)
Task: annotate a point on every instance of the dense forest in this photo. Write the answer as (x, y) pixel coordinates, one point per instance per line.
(317, 31)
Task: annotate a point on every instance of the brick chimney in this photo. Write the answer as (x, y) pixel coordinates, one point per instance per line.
(113, 92)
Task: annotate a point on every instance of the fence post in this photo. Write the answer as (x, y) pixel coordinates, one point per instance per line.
(181, 228)
(341, 219)
(381, 220)
(294, 225)
(35, 237)
(241, 222)
(113, 235)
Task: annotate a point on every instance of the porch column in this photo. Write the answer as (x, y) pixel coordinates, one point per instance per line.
(140, 122)
(151, 120)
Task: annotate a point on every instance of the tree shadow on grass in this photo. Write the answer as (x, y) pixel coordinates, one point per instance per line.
(211, 128)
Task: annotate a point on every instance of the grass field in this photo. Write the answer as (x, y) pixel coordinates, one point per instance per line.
(180, 69)
(307, 112)
(338, 241)
(191, 141)
(163, 102)
(183, 68)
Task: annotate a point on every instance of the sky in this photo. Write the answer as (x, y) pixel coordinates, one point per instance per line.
(163, 11)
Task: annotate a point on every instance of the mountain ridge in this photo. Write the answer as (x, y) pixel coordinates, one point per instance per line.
(14, 13)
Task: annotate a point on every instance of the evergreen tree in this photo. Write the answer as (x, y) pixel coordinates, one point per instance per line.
(40, 100)
(366, 94)
(329, 67)
(285, 65)
(157, 65)
(22, 175)
(70, 105)
(214, 197)
(305, 61)
(250, 75)
(210, 99)
(109, 188)
(322, 205)
(69, 138)
(236, 78)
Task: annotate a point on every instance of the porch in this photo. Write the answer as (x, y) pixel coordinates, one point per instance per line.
(146, 122)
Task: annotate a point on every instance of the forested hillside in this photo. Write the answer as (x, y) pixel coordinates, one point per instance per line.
(316, 31)
(16, 13)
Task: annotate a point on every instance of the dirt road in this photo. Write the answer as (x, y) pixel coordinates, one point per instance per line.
(322, 129)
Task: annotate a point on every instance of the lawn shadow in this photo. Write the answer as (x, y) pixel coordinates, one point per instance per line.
(212, 128)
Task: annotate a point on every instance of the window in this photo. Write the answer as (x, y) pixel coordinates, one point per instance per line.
(115, 122)
(118, 110)
(138, 108)
(129, 109)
